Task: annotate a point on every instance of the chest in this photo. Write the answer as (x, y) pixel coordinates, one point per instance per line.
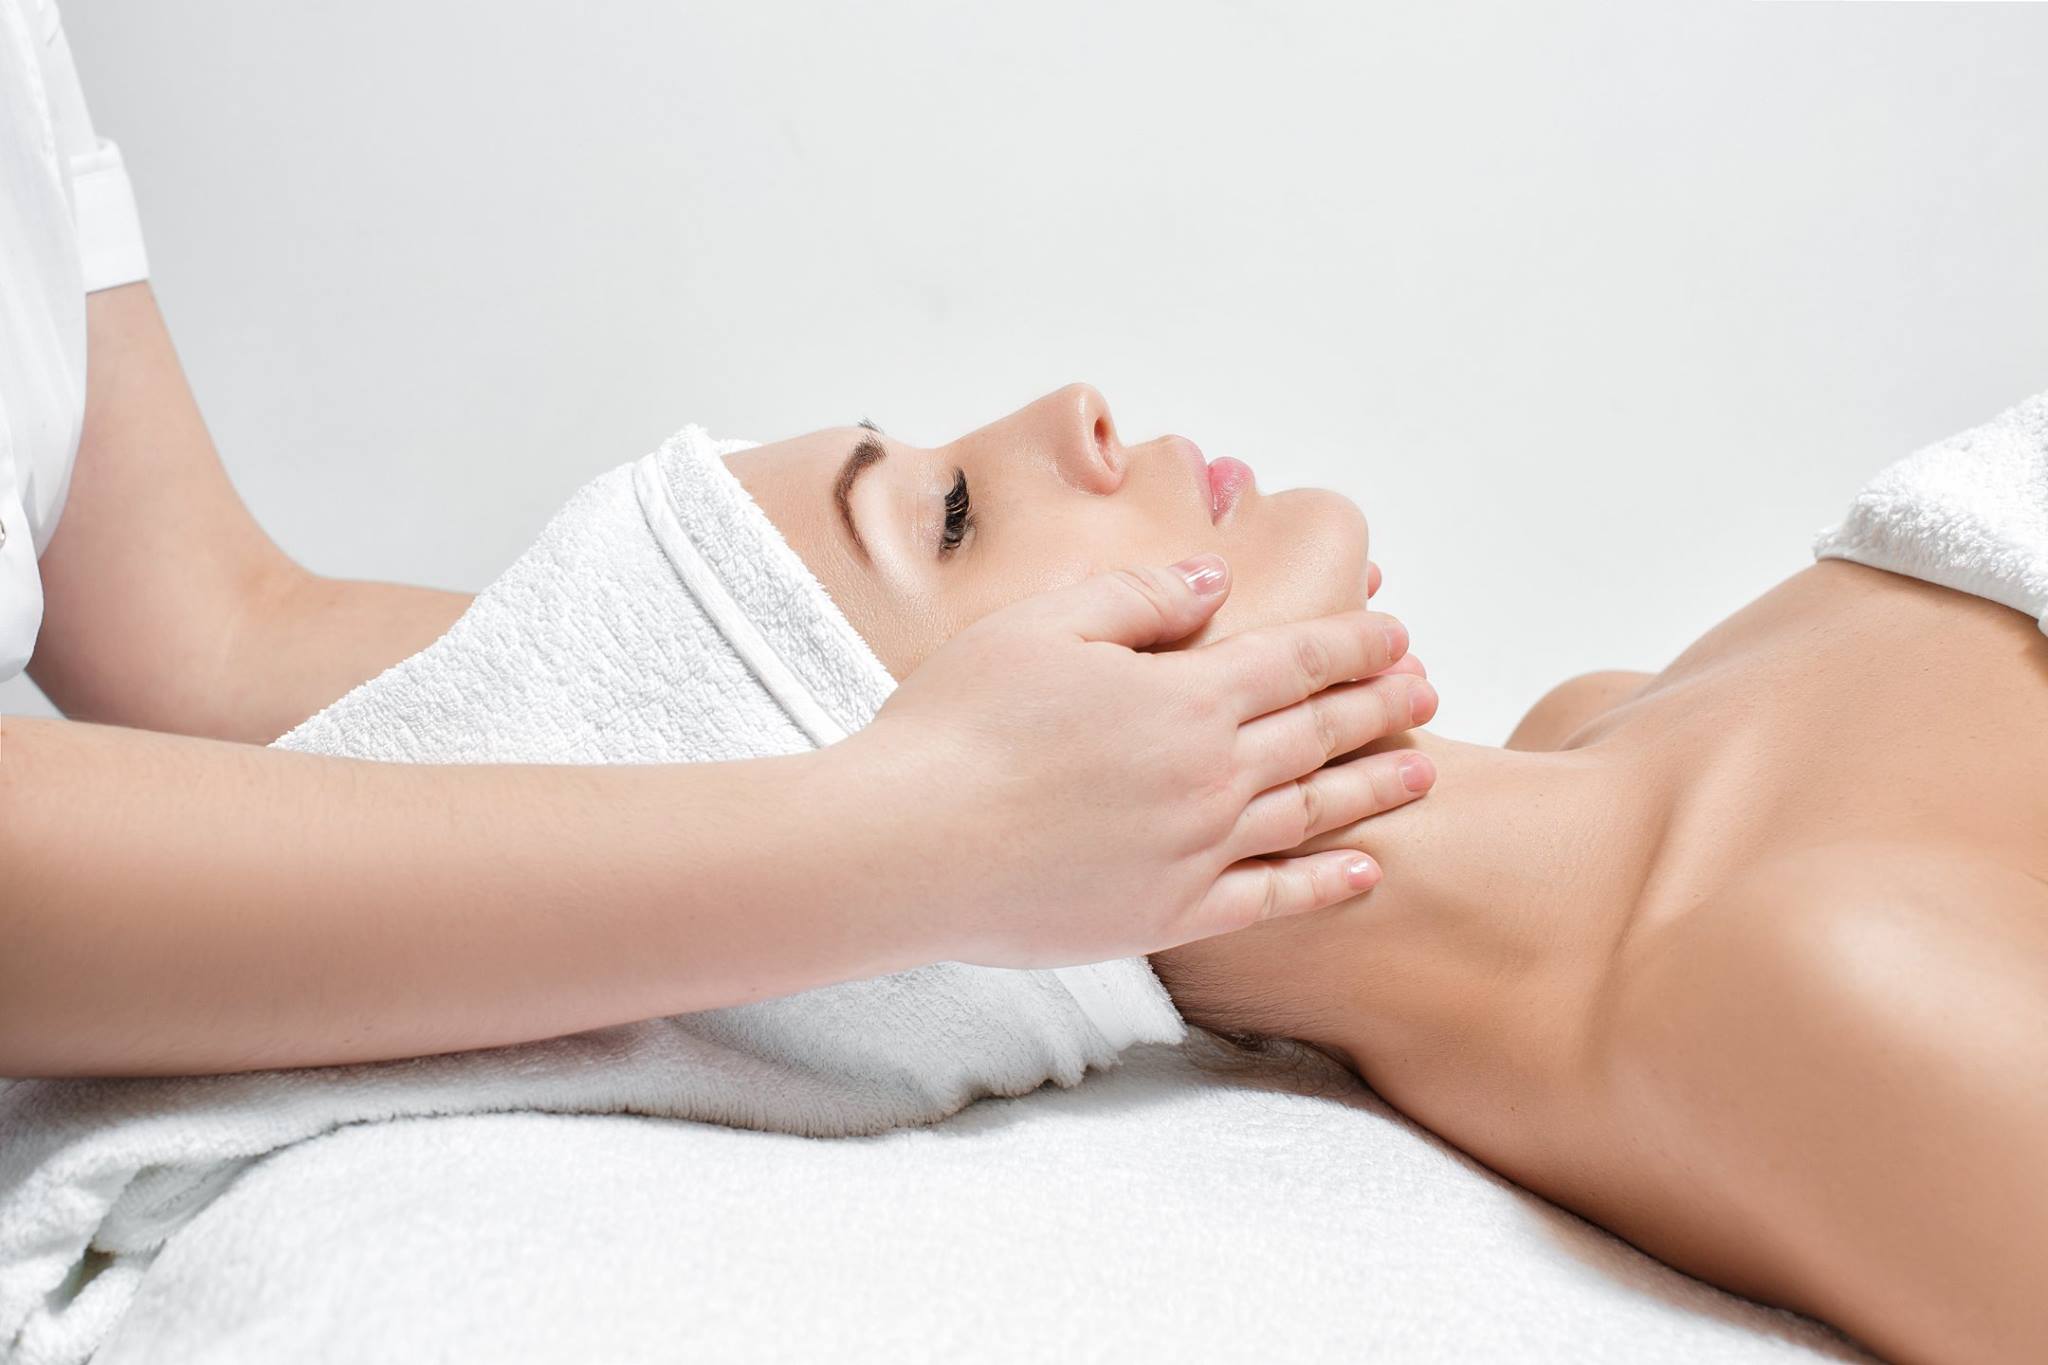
(1854, 704)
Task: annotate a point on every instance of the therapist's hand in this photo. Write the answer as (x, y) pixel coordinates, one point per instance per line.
(1061, 794)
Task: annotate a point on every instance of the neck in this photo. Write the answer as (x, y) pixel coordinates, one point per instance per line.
(1504, 889)
(1509, 827)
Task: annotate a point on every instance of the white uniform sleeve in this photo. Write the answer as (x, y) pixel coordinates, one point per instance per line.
(102, 202)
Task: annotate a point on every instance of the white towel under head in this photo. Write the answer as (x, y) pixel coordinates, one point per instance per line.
(660, 617)
(1969, 513)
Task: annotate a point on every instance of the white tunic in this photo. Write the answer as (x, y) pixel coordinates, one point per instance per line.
(67, 227)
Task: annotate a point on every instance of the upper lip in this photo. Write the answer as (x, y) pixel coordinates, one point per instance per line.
(1200, 465)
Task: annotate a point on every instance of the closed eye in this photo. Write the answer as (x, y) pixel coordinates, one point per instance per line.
(959, 516)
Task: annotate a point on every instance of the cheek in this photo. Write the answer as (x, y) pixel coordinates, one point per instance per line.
(998, 578)
(901, 640)
(1305, 557)
(1060, 554)
(1308, 560)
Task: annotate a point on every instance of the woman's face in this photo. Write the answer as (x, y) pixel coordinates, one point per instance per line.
(915, 544)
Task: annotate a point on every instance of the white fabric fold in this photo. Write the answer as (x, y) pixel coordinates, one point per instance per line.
(660, 617)
(1969, 513)
(1168, 1210)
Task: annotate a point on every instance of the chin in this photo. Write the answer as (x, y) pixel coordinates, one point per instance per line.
(1305, 558)
(1322, 547)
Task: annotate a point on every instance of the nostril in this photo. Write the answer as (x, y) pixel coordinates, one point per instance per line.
(1105, 441)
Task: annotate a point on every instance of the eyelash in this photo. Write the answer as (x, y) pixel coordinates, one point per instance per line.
(959, 515)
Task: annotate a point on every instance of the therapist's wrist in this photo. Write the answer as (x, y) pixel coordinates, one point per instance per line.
(896, 833)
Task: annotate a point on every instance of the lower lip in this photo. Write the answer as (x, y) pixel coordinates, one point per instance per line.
(1228, 479)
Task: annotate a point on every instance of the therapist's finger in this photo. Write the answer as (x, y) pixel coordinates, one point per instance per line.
(1342, 794)
(1407, 663)
(1259, 889)
(1263, 670)
(1285, 744)
(1138, 608)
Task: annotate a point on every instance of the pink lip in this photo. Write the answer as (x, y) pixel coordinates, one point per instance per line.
(1228, 479)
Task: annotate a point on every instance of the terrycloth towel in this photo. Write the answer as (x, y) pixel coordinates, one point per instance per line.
(659, 618)
(1969, 513)
(1162, 1212)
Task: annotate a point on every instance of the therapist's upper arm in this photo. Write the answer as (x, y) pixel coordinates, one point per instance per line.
(155, 565)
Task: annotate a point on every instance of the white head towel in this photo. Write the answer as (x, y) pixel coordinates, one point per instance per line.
(660, 617)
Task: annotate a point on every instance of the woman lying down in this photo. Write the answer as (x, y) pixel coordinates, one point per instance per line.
(1746, 962)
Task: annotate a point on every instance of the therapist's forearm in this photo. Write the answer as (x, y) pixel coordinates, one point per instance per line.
(311, 639)
(175, 905)
(166, 607)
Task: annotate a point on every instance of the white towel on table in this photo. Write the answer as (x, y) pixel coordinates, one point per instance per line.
(660, 617)
(1161, 1212)
(1969, 513)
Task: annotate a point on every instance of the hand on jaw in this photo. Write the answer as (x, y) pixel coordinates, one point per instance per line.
(1463, 985)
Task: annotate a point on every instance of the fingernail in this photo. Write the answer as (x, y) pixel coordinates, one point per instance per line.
(1417, 773)
(1205, 573)
(1361, 872)
(1397, 640)
(1421, 706)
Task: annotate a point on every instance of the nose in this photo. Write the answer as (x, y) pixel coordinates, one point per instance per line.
(1078, 429)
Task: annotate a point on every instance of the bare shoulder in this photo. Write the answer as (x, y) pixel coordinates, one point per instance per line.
(1866, 923)
(1826, 1079)
(1571, 704)
(1852, 967)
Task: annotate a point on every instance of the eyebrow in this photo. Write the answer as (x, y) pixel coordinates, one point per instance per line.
(866, 451)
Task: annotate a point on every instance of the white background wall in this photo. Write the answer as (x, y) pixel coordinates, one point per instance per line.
(1600, 310)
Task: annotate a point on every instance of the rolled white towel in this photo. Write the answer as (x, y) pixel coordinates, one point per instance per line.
(660, 617)
(1969, 513)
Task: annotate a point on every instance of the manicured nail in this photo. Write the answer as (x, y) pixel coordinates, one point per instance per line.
(1205, 573)
(1417, 773)
(1361, 872)
(1421, 706)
